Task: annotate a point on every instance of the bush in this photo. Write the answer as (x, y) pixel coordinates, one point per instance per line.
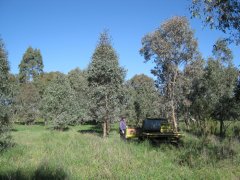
(207, 127)
(208, 150)
(59, 106)
(236, 131)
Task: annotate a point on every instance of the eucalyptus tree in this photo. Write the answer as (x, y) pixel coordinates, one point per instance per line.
(193, 82)
(5, 99)
(225, 108)
(42, 81)
(145, 98)
(212, 94)
(237, 89)
(26, 104)
(105, 79)
(28, 95)
(219, 14)
(58, 104)
(31, 65)
(170, 46)
(78, 82)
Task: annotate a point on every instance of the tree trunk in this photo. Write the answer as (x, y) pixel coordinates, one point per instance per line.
(108, 127)
(104, 129)
(186, 119)
(172, 97)
(174, 117)
(106, 120)
(221, 128)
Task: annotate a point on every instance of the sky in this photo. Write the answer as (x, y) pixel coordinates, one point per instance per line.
(67, 31)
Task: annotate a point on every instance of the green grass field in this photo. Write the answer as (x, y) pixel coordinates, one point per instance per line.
(40, 153)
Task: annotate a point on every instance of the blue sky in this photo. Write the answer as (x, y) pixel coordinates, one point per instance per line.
(67, 31)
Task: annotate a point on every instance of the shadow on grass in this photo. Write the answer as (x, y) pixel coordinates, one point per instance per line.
(14, 130)
(93, 129)
(42, 172)
(60, 129)
(4, 146)
(40, 123)
(165, 143)
(156, 143)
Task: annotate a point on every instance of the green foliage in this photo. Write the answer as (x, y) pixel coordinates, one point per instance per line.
(207, 151)
(27, 96)
(5, 98)
(105, 79)
(219, 14)
(58, 104)
(144, 100)
(42, 81)
(26, 104)
(27, 92)
(204, 127)
(236, 131)
(191, 76)
(172, 45)
(79, 84)
(222, 52)
(211, 88)
(31, 65)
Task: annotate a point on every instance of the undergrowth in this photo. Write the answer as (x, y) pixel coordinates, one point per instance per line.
(81, 153)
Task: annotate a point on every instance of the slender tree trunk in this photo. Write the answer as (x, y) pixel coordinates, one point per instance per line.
(187, 124)
(221, 128)
(174, 117)
(108, 127)
(104, 129)
(172, 96)
(199, 121)
(186, 118)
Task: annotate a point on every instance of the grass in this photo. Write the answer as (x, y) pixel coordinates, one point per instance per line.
(40, 153)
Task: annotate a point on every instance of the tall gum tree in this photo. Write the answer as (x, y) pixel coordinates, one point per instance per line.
(170, 47)
(225, 108)
(105, 79)
(4, 98)
(27, 99)
(31, 65)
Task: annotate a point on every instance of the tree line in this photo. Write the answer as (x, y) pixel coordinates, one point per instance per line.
(186, 86)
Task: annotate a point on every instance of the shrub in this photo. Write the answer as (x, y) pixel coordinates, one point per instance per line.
(59, 105)
(208, 150)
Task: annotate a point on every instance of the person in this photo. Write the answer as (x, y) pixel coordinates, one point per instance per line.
(122, 128)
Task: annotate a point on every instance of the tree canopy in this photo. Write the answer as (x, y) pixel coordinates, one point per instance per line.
(105, 79)
(172, 45)
(144, 100)
(5, 98)
(31, 65)
(220, 14)
(58, 104)
(79, 84)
